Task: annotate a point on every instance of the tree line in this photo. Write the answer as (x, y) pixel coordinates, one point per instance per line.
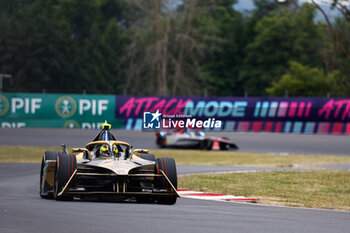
(172, 47)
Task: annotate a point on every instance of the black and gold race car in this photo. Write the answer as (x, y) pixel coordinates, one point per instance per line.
(107, 169)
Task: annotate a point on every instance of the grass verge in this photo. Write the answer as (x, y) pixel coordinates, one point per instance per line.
(232, 158)
(321, 189)
(23, 154)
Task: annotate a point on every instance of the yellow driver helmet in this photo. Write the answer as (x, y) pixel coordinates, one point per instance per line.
(104, 151)
(115, 150)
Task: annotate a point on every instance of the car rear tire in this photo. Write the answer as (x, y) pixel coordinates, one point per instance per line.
(48, 155)
(65, 167)
(161, 142)
(150, 157)
(168, 166)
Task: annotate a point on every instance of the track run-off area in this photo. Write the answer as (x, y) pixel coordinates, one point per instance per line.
(22, 210)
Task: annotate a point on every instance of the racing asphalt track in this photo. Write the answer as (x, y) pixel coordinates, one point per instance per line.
(22, 210)
(249, 142)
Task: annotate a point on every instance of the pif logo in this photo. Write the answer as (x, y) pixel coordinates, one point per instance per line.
(151, 120)
(71, 124)
(65, 106)
(4, 105)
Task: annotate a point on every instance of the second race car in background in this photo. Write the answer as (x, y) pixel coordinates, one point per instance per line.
(187, 138)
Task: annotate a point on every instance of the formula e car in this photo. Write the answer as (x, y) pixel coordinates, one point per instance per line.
(185, 138)
(108, 169)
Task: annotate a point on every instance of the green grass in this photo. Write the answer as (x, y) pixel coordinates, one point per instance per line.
(23, 154)
(231, 158)
(321, 189)
(193, 157)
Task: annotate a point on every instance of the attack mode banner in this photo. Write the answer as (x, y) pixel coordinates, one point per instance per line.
(287, 115)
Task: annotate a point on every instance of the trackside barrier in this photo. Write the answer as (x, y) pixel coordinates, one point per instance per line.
(57, 110)
(283, 115)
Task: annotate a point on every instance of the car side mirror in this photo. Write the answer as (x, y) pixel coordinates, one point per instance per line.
(64, 148)
(128, 152)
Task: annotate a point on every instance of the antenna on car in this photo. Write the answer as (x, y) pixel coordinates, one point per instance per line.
(106, 126)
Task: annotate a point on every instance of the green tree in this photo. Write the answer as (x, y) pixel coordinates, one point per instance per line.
(221, 64)
(8, 46)
(344, 9)
(305, 81)
(101, 58)
(334, 56)
(39, 55)
(62, 46)
(282, 36)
